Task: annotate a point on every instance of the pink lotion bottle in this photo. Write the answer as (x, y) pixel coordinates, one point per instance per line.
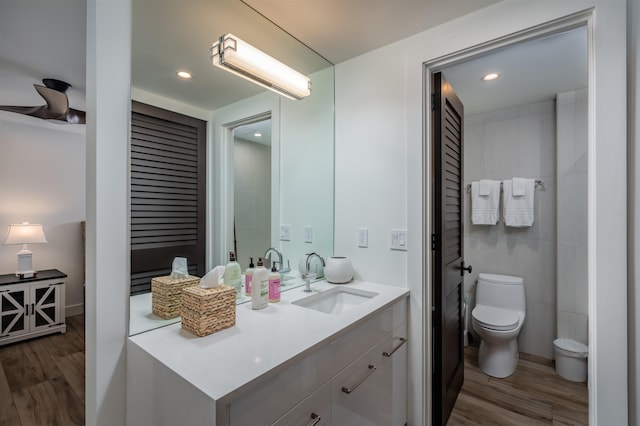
(274, 284)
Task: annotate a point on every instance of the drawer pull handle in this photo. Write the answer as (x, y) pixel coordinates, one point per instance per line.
(402, 342)
(315, 419)
(372, 369)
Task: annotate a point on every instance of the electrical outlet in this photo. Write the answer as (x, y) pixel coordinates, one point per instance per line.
(308, 234)
(398, 239)
(363, 237)
(285, 232)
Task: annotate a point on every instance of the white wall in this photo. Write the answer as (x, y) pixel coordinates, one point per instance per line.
(108, 272)
(42, 180)
(572, 161)
(379, 177)
(633, 76)
(516, 142)
(306, 172)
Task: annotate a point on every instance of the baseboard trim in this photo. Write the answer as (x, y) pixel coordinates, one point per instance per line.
(72, 310)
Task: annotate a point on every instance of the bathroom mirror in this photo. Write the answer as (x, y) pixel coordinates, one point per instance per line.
(170, 36)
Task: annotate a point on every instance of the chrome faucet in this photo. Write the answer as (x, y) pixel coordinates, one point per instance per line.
(267, 255)
(308, 276)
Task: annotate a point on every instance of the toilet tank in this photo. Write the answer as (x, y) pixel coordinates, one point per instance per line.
(501, 291)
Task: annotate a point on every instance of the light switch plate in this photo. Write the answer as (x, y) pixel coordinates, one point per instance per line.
(285, 232)
(363, 237)
(398, 239)
(308, 234)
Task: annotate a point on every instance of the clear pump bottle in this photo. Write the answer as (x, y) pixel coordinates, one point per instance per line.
(260, 287)
(248, 275)
(233, 275)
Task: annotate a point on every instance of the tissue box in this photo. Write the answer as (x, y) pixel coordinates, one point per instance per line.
(166, 295)
(207, 310)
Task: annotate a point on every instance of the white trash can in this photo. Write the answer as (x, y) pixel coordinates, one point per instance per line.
(571, 359)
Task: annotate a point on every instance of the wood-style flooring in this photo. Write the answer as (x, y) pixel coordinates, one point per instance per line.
(42, 379)
(534, 395)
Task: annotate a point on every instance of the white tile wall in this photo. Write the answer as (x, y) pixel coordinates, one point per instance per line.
(500, 145)
(572, 215)
(252, 199)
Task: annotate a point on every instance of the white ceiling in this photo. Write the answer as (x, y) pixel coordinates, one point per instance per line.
(531, 72)
(41, 39)
(248, 132)
(343, 29)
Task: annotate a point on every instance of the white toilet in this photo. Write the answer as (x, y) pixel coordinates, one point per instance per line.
(498, 317)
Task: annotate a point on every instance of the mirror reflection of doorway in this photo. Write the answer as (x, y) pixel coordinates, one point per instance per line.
(252, 190)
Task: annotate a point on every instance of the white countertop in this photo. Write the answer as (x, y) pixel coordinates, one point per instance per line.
(259, 342)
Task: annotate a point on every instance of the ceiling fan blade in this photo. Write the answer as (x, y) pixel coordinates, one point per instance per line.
(57, 107)
(27, 110)
(57, 102)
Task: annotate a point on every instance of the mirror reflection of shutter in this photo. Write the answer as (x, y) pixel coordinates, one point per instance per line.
(168, 193)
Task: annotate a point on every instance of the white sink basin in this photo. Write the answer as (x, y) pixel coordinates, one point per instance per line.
(336, 300)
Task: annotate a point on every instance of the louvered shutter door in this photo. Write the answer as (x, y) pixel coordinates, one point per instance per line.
(167, 193)
(448, 126)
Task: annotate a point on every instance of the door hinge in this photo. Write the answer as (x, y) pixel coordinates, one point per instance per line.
(433, 102)
(433, 242)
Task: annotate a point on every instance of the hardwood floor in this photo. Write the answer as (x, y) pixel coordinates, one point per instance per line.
(534, 395)
(42, 379)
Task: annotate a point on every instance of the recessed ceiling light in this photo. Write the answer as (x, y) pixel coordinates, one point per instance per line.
(257, 135)
(184, 74)
(490, 76)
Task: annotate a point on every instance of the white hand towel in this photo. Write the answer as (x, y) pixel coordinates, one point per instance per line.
(484, 188)
(519, 185)
(484, 208)
(518, 210)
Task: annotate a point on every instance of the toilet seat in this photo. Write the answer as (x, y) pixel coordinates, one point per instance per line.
(494, 318)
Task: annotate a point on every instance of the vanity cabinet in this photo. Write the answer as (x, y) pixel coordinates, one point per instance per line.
(361, 375)
(283, 365)
(31, 307)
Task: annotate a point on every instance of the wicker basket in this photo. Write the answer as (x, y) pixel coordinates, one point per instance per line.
(207, 310)
(166, 295)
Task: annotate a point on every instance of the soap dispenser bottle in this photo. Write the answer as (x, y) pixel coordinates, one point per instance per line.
(233, 275)
(274, 284)
(248, 275)
(260, 287)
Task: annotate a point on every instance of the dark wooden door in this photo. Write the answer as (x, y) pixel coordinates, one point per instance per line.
(448, 247)
(168, 193)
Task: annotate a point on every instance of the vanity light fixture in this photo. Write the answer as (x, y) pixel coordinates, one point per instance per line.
(184, 74)
(25, 233)
(491, 76)
(239, 57)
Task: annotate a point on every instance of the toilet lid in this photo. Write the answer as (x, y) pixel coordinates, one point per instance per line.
(495, 318)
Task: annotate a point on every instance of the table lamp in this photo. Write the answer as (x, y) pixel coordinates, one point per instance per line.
(25, 233)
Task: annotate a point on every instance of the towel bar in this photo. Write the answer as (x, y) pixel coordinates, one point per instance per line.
(538, 182)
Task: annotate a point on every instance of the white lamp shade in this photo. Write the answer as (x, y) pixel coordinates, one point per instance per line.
(244, 60)
(25, 233)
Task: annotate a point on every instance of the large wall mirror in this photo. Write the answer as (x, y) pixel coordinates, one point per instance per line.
(256, 186)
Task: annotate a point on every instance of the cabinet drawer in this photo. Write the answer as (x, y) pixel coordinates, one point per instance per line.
(314, 410)
(372, 390)
(279, 394)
